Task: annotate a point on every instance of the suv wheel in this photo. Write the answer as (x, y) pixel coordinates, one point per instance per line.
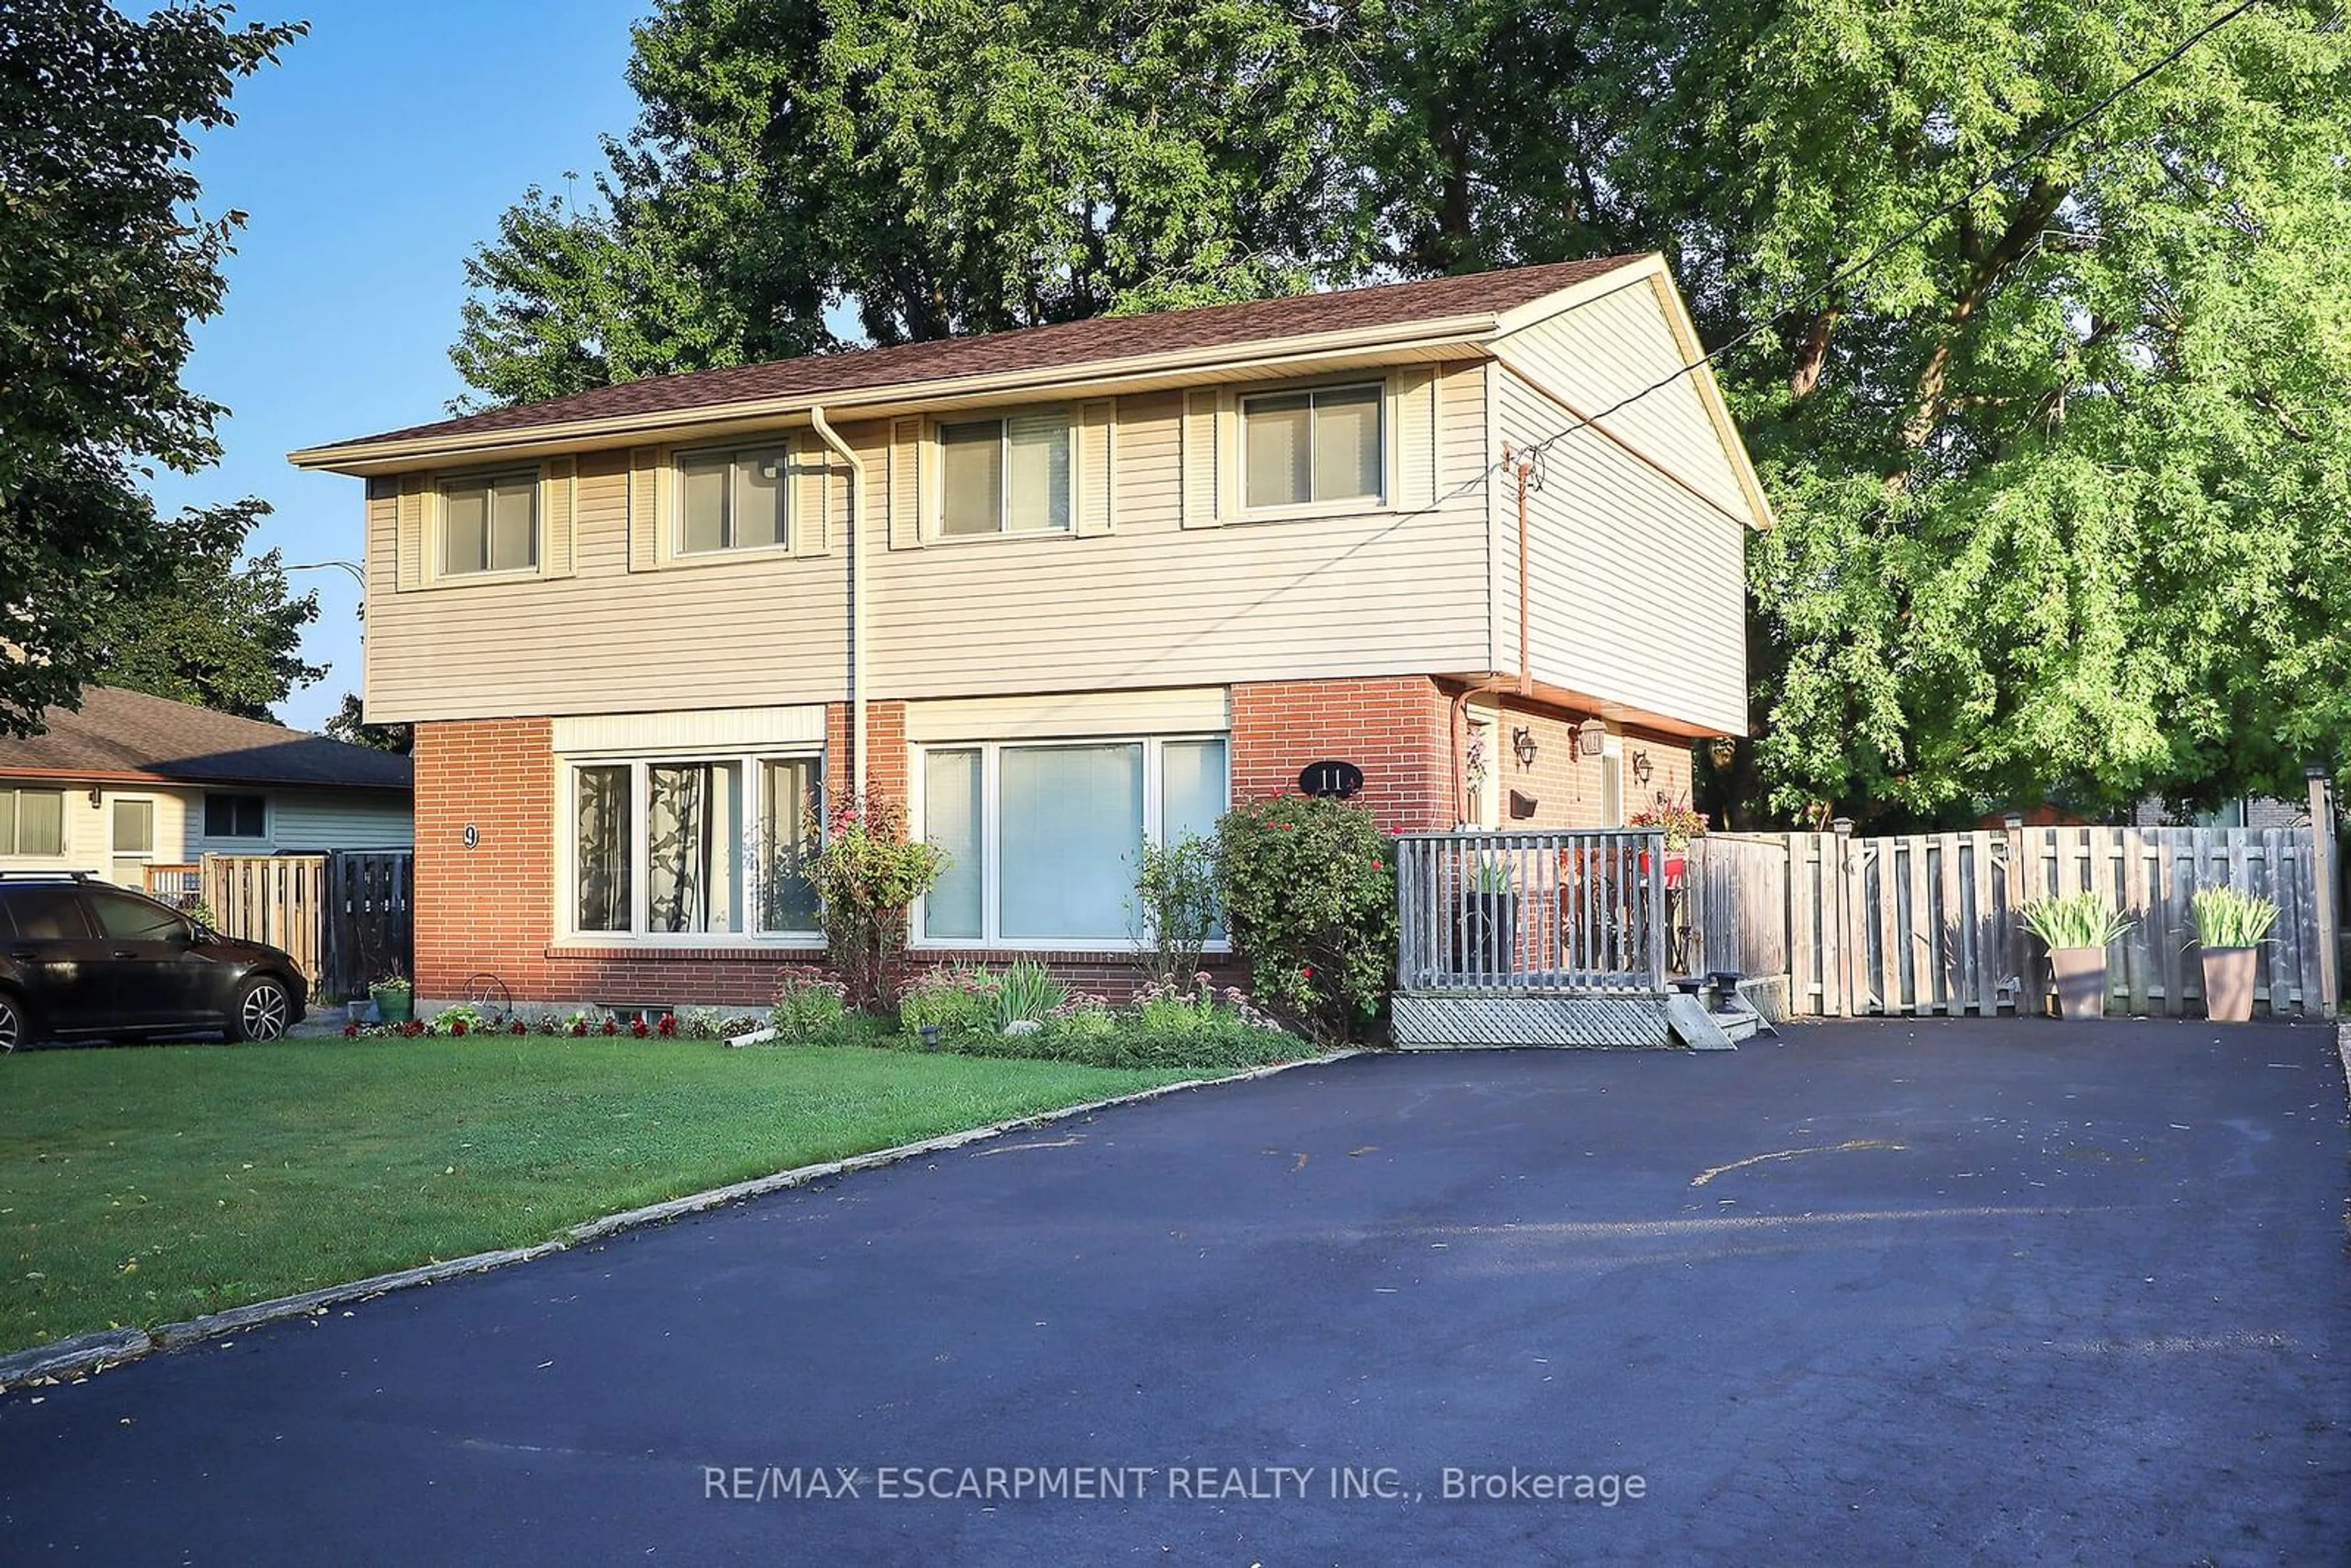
(15, 1029)
(262, 1010)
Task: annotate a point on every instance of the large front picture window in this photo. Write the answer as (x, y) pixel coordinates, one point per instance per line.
(690, 847)
(1042, 838)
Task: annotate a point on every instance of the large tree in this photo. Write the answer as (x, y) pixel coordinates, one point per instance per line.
(2061, 475)
(218, 630)
(961, 168)
(103, 264)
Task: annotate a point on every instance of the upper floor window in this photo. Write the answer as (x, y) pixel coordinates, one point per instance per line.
(235, 816)
(1003, 476)
(32, 823)
(1310, 447)
(490, 523)
(732, 501)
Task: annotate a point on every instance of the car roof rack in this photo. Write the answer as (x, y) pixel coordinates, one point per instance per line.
(47, 875)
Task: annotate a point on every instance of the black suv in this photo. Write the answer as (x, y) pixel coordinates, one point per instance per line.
(81, 958)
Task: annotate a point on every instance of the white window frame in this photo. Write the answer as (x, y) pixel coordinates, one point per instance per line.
(437, 543)
(1383, 400)
(268, 819)
(15, 789)
(675, 545)
(934, 524)
(990, 752)
(749, 874)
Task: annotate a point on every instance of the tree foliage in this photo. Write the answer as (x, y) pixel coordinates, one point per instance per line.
(217, 631)
(2059, 478)
(348, 724)
(103, 264)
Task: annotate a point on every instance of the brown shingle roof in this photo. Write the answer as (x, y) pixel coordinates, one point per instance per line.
(1070, 345)
(119, 732)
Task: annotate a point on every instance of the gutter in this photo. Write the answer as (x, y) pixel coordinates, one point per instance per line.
(856, 599)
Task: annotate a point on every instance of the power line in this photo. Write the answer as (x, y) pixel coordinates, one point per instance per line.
(2168, 57)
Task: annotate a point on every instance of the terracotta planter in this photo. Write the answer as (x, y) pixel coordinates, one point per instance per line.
(2081, 981)
(2229, 983)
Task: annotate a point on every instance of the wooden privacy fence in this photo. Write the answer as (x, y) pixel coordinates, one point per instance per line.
(1928, 924)
(343, 917)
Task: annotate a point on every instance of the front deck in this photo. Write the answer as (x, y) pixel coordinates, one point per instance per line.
(1532, 938)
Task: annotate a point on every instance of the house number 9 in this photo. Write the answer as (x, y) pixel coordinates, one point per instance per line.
(473, 836)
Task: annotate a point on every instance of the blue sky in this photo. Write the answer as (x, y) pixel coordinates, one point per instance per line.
(371, 160)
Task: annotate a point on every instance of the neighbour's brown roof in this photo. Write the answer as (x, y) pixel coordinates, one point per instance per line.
(121, 732)
(1070, 344)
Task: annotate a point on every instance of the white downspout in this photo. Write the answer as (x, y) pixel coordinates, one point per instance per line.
(826, 434)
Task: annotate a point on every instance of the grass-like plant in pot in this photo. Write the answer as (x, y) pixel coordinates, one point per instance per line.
(2228, 926)
(2077, 930)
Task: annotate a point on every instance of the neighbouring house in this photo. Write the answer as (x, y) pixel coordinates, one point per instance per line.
(1061, 590)
(133, 787)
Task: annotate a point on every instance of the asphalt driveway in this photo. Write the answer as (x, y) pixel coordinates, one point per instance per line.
(1882, 1293)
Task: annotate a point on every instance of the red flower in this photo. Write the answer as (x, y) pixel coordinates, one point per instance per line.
(1377, 866)
(518, 1028)
(579, 1028)
(457, 1026)
(639, 1029)
(669, 1026)
(611, 1026)
(351, 1032)
(1306, 971)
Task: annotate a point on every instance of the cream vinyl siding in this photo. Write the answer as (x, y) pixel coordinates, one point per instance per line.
(1637, 586)
(1143, 603)
(759, 630)
(1603, 351)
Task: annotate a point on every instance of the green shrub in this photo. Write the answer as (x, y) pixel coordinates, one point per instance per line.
(867, 875)
(1174, 905)
(807, 1006)
(958, 1002)
(1308, 894)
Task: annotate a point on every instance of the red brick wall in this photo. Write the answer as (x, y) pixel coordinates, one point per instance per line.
(1564, 785)
(1394, 727)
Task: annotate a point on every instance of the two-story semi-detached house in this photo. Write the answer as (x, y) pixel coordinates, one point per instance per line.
(1062, 591)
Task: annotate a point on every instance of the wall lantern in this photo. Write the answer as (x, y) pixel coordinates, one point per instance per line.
(1522, 743)
(1724, 750)
(1639, 763)
(1589, 735)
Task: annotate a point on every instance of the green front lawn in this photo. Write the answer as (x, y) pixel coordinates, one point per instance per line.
(140, 1186)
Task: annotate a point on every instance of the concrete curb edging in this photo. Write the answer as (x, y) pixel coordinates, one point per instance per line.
(91, 1352)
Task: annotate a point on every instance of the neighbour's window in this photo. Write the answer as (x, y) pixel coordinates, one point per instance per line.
(489, 523)
(1312, 446)
(32, 823)
(1042, 838)
(690, 847)
(235, 817)
(123, 918)
(1003, 476)
(50, 912)
(731, 500)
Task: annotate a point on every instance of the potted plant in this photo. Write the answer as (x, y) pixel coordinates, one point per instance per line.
(2077, 930)
(1680, 825)
(395, 997)
(2228, 926)
(1490, 915)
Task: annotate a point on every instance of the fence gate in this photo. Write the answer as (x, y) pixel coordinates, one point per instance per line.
(344, 918)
